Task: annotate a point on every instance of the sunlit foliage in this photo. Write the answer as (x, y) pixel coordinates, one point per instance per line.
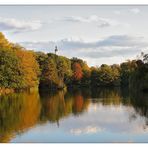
(18, 67)
(21, 69)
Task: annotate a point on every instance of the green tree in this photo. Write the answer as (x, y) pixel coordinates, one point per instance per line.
(49, 78)
(126, 70)
(64, 70)
(94, 76)
(10, 70)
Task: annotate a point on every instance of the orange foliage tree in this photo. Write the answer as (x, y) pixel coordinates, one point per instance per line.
(29, 67)
(77, 71)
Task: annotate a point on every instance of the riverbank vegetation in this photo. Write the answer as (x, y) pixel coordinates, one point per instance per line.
(23, 69)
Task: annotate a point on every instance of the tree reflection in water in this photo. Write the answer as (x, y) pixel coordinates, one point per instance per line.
(60, 104)
(140, 103)
(18, 112)
(21, 111)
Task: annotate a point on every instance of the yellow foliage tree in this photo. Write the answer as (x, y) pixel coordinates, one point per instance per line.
(29, 67)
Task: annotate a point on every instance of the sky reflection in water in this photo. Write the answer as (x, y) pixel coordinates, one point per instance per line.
(102, 115)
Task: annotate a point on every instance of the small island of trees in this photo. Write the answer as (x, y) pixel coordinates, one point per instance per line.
(23, 69)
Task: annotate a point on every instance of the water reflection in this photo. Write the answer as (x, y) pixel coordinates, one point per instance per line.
(103, 112)
(140, 103)
(60, 104)
(18, 112)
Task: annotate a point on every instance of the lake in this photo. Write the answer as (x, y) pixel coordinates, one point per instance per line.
(79, 115)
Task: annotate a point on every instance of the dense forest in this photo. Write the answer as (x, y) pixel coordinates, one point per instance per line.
(22, 69)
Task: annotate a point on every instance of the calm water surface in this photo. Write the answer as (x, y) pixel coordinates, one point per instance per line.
(88, 115)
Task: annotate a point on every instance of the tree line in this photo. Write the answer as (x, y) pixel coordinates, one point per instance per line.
(22, 69)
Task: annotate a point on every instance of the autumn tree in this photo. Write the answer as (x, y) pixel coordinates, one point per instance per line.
(4, 43)
(29, 67)
(77, 72)
(18, 67)
(86, 72)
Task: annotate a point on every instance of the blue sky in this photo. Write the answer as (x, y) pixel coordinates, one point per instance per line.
(97, 34)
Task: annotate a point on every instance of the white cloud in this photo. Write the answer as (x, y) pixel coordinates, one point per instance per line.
(92, 18)
(116, 41)
(113, 46)
(15, 25)
(132, 10)
(117, 12)
(135, 10)
(99, 21)
(104, 24)
(85, 130)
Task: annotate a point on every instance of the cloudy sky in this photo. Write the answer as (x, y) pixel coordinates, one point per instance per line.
(97, 34)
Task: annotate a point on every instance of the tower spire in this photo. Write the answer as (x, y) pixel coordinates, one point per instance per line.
(56, 49)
